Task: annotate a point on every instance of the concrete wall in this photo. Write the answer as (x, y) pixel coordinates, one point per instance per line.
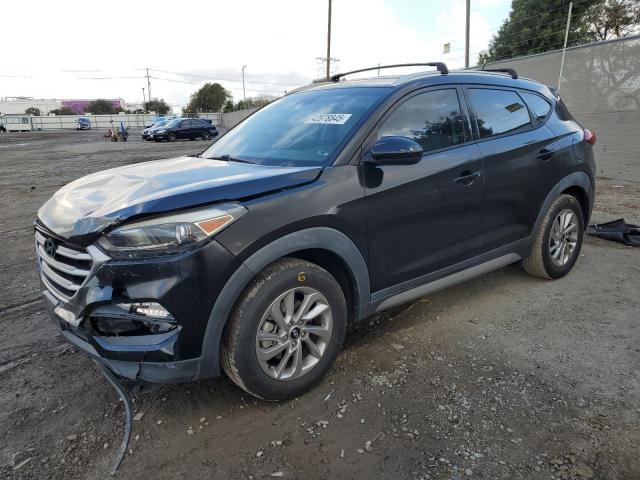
(231, 119)
(601, 86)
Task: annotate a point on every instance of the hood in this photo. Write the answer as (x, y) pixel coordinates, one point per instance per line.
(81, 210)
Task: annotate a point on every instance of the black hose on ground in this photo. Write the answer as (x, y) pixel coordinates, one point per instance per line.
(128, 408)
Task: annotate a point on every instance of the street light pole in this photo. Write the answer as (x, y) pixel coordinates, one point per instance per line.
(244, 92)
(466, 36)
(329, 43)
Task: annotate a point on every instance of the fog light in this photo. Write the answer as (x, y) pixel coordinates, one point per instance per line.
(146, 309)
(135, 318)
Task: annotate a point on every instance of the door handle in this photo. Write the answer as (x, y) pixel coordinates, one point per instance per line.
(545, 154)
(468, 177)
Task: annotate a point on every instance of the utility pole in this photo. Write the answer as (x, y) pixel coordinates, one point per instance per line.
(466, 35)
(244, 92)
(144, 100)
(148, 84)
(564, 48)
(329, 43)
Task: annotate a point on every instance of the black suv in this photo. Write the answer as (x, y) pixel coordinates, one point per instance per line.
(335, 202)
(182, 128)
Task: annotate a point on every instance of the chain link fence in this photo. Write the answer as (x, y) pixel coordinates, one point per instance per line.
(601, 86)
(69, 122)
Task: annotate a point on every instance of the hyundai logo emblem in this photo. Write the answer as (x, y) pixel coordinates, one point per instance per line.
(50, 247)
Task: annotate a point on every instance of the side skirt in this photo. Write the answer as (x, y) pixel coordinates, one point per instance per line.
(444, 282)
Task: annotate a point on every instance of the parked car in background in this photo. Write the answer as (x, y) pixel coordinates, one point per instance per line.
(83, 123)
(335, 202)
(184, 128)
(153, 121)
(155, 126)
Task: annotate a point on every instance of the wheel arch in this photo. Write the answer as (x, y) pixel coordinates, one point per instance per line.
(581, 195)
(577, 184)
(330, 248)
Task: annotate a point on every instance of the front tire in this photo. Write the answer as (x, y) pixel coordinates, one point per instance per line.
(172, 137)
(557, 243)
(285, 330)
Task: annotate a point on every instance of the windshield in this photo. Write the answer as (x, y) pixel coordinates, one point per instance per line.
(172, 123)
(160, 124)
(304, 128)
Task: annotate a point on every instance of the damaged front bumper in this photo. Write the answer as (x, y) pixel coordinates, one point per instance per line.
(101, 348)
(186, 285)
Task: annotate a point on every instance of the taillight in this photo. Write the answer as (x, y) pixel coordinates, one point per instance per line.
(589, 137)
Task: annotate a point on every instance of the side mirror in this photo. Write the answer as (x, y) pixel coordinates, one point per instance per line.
(395, 150)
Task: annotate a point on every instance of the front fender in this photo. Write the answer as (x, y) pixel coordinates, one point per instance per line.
(317, 237)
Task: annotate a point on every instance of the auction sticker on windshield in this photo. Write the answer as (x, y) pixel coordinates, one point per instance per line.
(329, 118)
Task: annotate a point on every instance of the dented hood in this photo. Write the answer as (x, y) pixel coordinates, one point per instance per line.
(85, 207)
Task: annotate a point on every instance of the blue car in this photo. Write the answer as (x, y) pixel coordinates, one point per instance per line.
(184, 128)
(157, 125)
(83, 123)
(153, 121)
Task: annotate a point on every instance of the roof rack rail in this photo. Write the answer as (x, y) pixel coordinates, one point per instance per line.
(441, 67)
(510, 71)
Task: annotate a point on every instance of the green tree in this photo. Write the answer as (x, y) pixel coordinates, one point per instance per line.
(62, 111)
(102, 107)
(209, 98)
(534, 26)
(158, 106)
(228, 106)
(613, 19)
(32, 111)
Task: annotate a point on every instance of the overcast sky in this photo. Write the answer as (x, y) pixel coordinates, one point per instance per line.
(72, 49)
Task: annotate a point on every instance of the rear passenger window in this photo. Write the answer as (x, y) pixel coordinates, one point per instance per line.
(538, 105)
(433, 119)
(498, 111)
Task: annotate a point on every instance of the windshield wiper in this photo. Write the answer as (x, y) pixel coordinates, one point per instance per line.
(229, 158)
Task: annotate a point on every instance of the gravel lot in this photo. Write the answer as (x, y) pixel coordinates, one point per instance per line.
(503, 377)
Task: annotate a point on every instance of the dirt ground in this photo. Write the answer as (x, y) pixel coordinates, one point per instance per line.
(503, 377)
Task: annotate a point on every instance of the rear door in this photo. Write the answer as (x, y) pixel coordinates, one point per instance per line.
(515, 145)
(423, 217)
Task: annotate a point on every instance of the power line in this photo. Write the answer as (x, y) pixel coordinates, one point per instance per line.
(211, 78)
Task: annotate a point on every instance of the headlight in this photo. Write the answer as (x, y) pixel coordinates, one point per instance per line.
(169, 234)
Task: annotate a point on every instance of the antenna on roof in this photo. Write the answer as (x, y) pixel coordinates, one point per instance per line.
(441, 67)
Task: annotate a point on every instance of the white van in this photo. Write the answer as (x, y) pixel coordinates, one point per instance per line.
(18, 122)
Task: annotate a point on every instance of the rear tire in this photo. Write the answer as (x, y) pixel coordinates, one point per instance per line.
(270, 317)
(558, 241)
(206, 136)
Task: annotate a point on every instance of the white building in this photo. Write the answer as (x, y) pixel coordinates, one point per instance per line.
(20, 104)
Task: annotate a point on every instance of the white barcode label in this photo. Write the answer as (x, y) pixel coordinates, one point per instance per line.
(329, 118)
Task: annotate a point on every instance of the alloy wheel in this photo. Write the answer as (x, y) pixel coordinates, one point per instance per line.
(294, 333)
(563, 237)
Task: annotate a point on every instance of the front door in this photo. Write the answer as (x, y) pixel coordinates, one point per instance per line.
(424, 217)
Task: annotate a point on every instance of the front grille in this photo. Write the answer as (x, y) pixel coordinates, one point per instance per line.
(64, 272)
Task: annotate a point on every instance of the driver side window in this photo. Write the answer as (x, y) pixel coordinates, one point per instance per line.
(432, 119)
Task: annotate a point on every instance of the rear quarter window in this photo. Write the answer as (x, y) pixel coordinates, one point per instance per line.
(538, 105)
(498, 111)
